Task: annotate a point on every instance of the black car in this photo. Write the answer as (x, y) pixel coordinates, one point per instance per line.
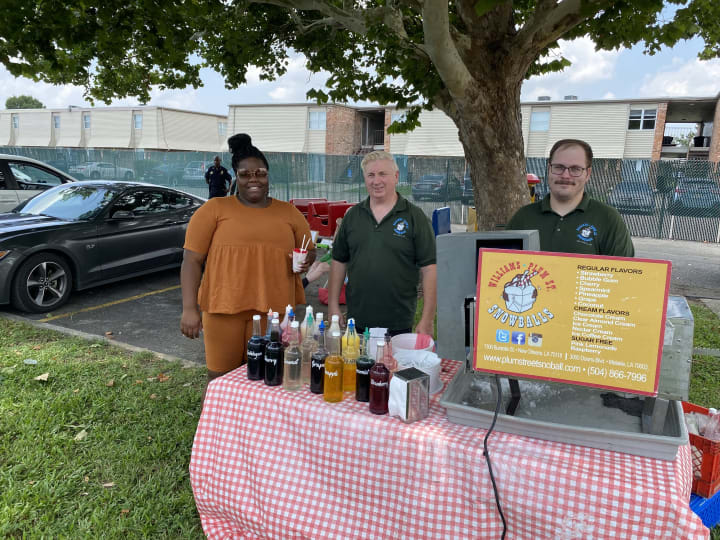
(633, 196)
(166, 174)
(436, 187)
(83, 234)
(696, 196)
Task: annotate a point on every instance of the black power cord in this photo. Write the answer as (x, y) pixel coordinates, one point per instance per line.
(487, 454)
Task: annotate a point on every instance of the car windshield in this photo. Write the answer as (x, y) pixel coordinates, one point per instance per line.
(72, 202)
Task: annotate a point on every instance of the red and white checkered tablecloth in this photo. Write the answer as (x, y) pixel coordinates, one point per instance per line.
(267, 463)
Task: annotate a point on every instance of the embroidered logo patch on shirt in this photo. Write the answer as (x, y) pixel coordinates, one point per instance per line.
(586, 233)
(401, 226)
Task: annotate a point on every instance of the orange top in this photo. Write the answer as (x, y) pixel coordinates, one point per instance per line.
(248, 263)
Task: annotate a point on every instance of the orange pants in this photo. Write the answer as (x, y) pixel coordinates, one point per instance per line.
(226, 338)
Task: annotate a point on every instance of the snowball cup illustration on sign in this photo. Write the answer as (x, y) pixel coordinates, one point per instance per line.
(520, 293)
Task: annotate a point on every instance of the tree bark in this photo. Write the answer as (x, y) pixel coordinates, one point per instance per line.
(490, 130)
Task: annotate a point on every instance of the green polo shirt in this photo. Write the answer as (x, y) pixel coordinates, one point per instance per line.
(592, 228)
(383, 262)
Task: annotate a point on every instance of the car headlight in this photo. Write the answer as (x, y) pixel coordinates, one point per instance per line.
(3, 254)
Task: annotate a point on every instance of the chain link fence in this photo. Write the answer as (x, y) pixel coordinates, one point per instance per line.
(678, 199)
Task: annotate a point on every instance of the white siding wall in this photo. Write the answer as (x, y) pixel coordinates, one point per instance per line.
(437, 136)
(5, 128)
(35, 128)
(639, 143)
(110, 128)
(70, 133)
(398, 141)
(315, 141)
(273, 128)
(525, 111)
(191, 131)
(148, 137)
(537, 141)
(602, 125)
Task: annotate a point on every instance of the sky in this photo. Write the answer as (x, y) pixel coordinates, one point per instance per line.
(620, 74)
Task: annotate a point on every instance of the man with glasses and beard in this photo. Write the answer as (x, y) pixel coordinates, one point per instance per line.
(568, 219)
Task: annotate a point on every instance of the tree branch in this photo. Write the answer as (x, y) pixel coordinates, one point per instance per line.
(552, 19)
(352, 20)
(441, 48)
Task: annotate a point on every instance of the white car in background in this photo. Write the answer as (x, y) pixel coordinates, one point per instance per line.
(101, 170)
(22, 178)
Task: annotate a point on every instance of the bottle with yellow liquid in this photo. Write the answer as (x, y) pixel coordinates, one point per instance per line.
(350, 353)
(333, 383)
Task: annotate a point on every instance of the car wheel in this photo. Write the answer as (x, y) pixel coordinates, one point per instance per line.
(94, 175)
(43, 283)
(128, 175)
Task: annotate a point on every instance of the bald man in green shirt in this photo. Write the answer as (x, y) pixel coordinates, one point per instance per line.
(568, 219)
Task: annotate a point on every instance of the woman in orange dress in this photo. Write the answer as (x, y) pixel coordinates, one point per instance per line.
(246, 243)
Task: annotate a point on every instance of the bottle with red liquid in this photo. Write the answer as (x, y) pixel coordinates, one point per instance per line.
(379, 383)
(274, 357)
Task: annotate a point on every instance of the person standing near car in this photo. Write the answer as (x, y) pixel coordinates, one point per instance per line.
(245, 244)
(385, 245)
(568, 219)
(218, 179)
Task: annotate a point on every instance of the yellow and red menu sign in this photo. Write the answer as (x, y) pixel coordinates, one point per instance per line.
(579, 319)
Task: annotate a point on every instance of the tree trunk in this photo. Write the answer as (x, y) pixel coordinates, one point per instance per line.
(490, 129)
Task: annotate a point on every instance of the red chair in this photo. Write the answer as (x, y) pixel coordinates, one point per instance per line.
(337, 210)
(319, 217)
(303, 204)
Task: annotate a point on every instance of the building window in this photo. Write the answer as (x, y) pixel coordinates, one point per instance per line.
(642, 119)
(317, 120)
(86, 120)
(540, 121)
(56, 121)
(397, 117)
(15, 121)
(222, 129)
(137, 120)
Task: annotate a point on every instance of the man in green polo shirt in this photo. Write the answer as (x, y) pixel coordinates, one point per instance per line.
(385, 244)
(568, 219)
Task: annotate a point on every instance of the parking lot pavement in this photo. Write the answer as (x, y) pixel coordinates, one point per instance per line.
(143, 312)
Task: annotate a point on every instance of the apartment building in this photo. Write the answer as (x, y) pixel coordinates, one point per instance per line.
(630, 129)
(147, 128)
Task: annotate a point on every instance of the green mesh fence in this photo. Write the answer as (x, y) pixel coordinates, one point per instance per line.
(677, 199)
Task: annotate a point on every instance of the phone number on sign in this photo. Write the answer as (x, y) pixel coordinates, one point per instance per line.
(618, 374)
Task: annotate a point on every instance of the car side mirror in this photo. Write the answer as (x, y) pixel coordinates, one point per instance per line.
(122, 215)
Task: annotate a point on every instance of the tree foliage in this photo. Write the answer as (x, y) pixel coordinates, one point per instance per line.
(23, 102)
(467, 58)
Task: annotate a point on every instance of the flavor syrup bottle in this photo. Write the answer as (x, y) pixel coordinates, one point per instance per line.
(307, 323)
(274, 357)
(317, 365)
(350, 353)
(388, 358)
(256, 352)
(307, 348)
(292, 378)
(362, 370)
(333, 384)
(379, 383)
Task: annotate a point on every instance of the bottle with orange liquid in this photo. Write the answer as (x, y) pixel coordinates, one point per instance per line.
(333, 383)
(350, 353)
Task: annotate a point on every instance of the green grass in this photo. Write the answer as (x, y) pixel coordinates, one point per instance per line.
(707, 326)
(139, 436)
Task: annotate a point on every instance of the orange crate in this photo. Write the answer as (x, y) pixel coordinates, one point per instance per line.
(706, 461)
